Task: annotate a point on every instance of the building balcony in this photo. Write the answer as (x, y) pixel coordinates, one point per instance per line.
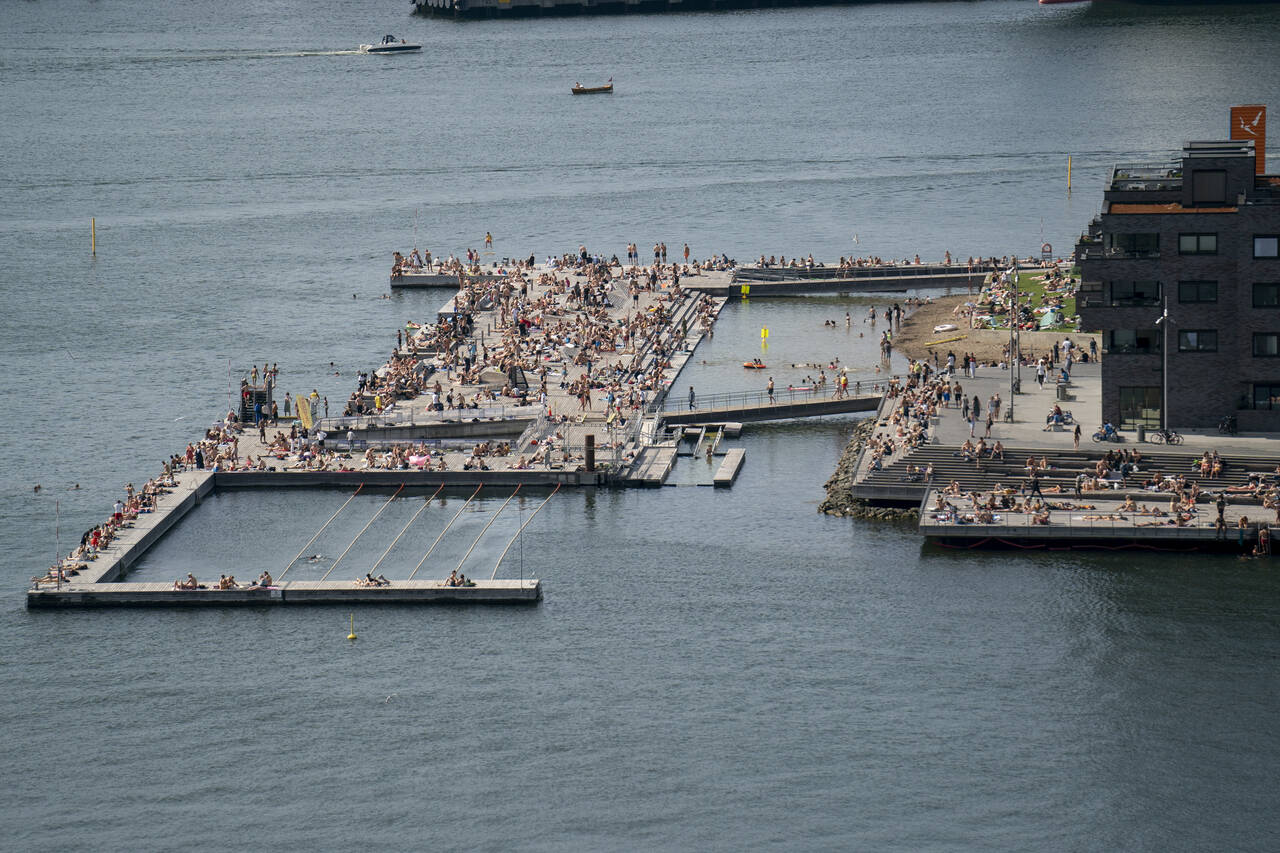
(1095, 251)
(1147, 177)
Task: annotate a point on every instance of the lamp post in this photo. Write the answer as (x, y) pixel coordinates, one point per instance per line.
(1164, 321)
(1014, 383)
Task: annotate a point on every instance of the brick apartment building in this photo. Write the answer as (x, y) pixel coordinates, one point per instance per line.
(1197, 237)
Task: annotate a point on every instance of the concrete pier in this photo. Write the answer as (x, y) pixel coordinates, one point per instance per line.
(549, 439)
(502, 591)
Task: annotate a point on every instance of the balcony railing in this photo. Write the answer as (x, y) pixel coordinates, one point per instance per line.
(1147, 171)
(1144, 177)
(1098, 252)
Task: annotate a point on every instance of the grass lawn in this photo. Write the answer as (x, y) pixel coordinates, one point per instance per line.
(1029, 284)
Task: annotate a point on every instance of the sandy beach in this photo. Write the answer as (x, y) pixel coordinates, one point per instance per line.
(917, 337)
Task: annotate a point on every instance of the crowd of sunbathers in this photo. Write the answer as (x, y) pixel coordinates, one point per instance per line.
(225, 582)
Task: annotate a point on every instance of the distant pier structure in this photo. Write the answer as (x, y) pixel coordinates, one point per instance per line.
(531, 8)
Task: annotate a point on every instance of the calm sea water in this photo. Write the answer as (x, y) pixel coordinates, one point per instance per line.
(711, 669)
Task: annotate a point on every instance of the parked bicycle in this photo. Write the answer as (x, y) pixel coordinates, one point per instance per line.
(1164, 436)
(1228, 425)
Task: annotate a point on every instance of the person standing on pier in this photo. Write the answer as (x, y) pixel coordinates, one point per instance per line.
(769, 388)
(693, 400)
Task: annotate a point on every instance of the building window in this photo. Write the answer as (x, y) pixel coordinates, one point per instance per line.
(1133, 245)
(1208, 186)
(1266, 395)
(1198, 340)
(1139, 405)
(1197, 244)
(1266, 295)
(1135, 293)
(1266, 246)
(1133, 341)
(1197, 291)
(1266, 344)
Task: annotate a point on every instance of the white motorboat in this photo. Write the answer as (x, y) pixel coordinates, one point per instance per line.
(390, 44)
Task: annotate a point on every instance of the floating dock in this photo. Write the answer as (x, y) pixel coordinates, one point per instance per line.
(729, 468)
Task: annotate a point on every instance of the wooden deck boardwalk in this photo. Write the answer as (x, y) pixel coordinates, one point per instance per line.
(1096, 521)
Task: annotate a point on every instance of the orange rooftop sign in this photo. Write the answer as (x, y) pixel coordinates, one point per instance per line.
(1250, 122)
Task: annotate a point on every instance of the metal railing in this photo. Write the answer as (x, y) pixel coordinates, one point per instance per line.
(1147, 171)
(780, 396)
(747, 275)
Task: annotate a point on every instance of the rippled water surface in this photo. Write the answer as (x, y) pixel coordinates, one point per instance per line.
(718, 669)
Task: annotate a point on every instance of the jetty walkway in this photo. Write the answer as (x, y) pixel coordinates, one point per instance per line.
(750, 406)
(793, 281)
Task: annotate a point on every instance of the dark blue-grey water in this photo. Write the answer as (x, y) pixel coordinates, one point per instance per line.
(710, 669)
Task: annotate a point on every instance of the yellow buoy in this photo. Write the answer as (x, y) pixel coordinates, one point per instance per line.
(352, 635)
(764, 333)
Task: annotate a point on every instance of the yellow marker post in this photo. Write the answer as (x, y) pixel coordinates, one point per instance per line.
(352, 635)
(93, 236)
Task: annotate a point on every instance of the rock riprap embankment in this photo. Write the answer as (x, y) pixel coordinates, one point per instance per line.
(839, 502)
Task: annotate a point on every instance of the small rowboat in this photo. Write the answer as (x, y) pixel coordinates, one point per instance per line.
(754, 365)
(606, 89)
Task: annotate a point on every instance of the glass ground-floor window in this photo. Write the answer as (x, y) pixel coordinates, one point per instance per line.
(1139, 405)
(1266, 395)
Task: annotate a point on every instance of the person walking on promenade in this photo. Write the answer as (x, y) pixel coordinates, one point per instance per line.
(769, 388)
(1033, 484)
(1075, 437)
(693, 400)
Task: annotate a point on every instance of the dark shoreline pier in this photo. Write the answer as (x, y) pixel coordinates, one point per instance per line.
(472, 9)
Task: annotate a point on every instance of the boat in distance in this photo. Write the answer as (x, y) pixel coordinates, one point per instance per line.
(390, 44)
(606, 89)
